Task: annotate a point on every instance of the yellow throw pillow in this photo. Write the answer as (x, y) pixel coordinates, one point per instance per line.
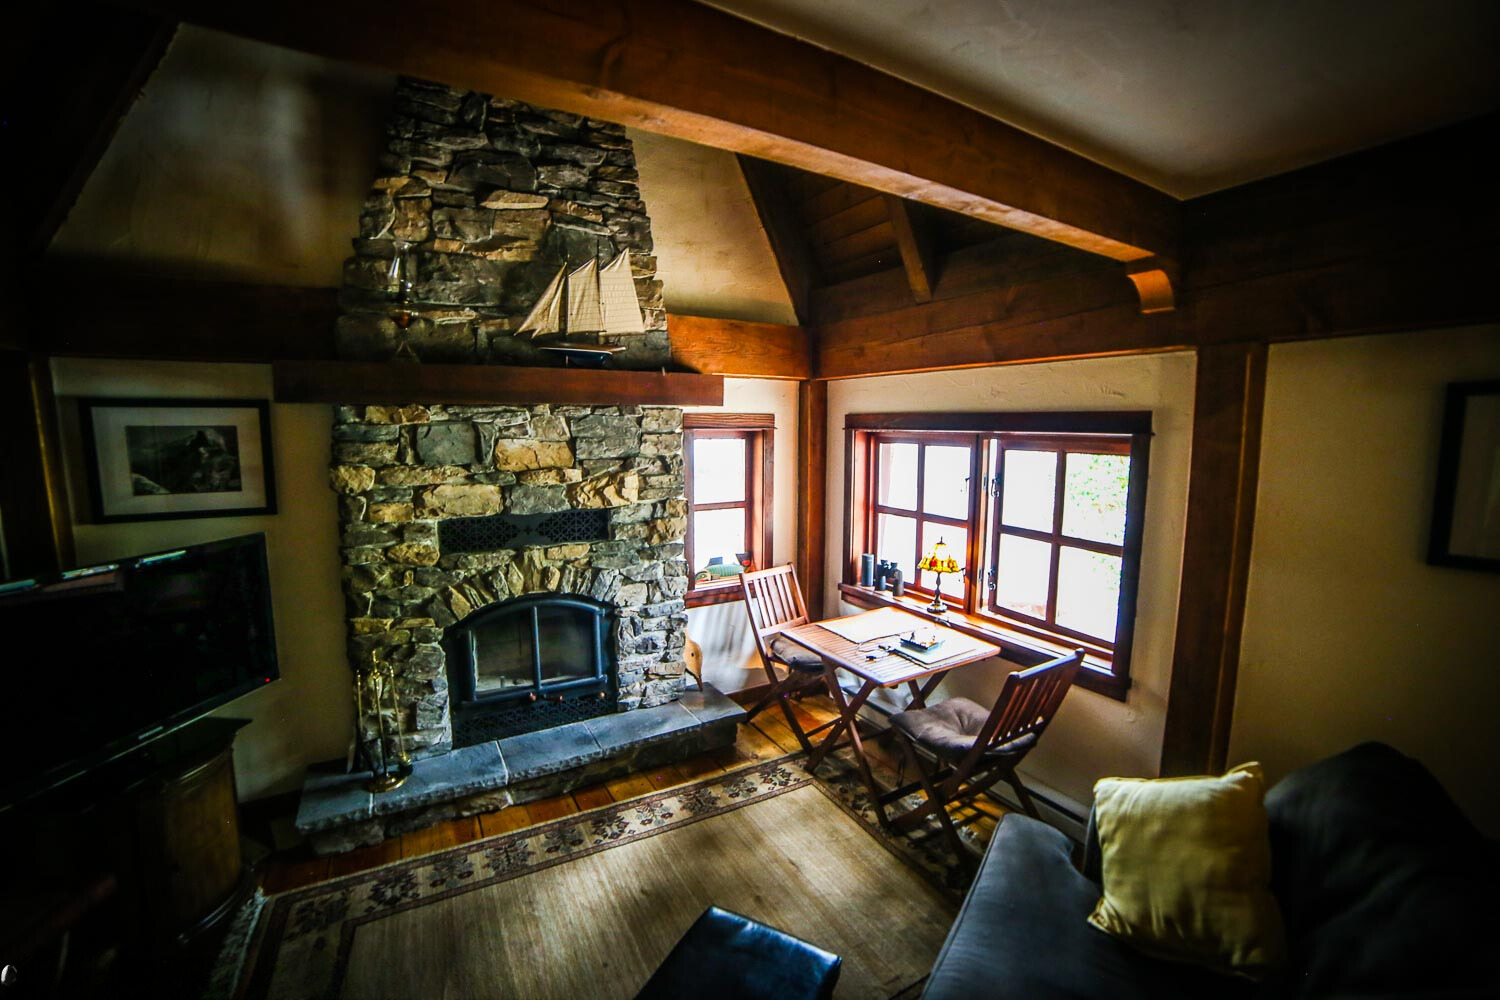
(1186, 865)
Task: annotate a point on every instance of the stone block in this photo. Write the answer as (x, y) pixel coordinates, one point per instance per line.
(514, 201)
(601, 424)
(412, 219)
(661, 420)
(512, 455)
(467, 225)
(420, 475)
(390, 513)
(520, 224)
(449, 443)
(549, 477)
(351, 478)
(443, 343)
(661, 444)
(413, 553)
(397, 415)
(459, 500)
(612, 490)
(607, 447)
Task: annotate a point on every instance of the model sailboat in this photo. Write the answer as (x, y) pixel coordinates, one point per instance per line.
(586, 300)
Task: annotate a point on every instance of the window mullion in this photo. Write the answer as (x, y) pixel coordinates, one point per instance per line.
(1059, 489)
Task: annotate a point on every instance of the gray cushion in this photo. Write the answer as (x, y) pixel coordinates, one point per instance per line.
(949, 728)
(796, 657)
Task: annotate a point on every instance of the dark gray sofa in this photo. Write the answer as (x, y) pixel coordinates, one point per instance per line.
(1385, 887)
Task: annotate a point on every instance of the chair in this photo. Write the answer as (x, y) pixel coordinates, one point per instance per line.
(969, 749)
(731, 957)
(773, 599)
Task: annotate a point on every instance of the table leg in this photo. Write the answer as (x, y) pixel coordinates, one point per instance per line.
(919, 694)
(847, 711)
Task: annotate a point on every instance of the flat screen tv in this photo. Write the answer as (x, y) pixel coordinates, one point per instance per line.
(103, 660)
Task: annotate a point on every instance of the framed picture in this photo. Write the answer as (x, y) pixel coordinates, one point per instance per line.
(1466, 507)
(154, 459)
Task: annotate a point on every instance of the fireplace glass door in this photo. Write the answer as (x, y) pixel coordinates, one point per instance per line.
(552, 646)
(533, 647)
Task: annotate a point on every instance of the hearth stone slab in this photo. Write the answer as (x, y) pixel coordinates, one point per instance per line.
(338, 814)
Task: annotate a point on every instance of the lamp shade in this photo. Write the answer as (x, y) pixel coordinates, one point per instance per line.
(938, 560)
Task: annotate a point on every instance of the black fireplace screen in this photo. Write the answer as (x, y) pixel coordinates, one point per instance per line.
(528, 664)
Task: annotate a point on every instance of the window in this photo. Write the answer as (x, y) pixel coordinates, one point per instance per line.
(1043, 511)
(728, 474)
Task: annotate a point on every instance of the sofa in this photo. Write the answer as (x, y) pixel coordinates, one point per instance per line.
(1385, 889)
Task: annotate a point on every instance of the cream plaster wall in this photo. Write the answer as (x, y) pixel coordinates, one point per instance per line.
(1093, 736)
(239, 161)
(712, 255)
(1349, 634)
(730, 661)
(306, 715)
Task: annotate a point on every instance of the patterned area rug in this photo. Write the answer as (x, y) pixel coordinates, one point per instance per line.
(588, 905)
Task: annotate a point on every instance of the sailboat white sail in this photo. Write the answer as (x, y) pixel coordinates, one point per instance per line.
(547, 315)
(584, 315)
(589, 299)
(617, 300)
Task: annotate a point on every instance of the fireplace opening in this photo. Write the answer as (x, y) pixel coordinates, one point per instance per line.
(528, 664)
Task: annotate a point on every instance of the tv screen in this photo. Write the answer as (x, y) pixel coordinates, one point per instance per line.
(126, 652)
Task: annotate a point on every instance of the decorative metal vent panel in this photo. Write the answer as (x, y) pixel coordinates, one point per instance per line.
(476, 725)
(509, 531)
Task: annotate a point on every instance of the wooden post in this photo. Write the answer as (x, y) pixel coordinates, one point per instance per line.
(38, 534)
(1228, 400)
(812, 461)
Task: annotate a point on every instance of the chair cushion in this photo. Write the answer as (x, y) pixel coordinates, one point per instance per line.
(796, 657)
(950, 727)
(1187, 869)
(730, 957)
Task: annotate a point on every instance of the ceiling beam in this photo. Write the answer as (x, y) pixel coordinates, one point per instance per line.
(914, 240)
(131, 315)
(739, 348)
(683, 69)
(789, 245)
(394, 382)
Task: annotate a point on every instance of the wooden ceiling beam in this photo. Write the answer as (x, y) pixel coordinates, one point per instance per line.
(392, 382)
(683, 69)
(739, 348)
(918, 252)
(130, 315)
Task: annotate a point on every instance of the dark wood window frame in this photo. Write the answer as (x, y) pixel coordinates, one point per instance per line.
(758, 431)
(1025, 641)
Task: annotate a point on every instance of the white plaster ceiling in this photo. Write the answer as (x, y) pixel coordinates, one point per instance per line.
(1189, 96)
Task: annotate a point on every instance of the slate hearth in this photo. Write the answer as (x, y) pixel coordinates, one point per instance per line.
(337, 813)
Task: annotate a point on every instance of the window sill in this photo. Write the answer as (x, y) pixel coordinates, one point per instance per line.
(715, 593)
(1025, 650)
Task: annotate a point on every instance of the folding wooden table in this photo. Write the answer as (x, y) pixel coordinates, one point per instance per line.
(879, 662)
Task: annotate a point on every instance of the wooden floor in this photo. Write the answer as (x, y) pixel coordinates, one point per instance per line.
(766, 738)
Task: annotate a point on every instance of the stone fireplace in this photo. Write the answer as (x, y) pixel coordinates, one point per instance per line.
(444, 514)
(517, 569)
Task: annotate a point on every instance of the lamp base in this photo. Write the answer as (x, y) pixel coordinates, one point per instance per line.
(937, 607)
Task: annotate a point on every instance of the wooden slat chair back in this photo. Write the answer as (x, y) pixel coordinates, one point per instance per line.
(966, 759)
(773, 600)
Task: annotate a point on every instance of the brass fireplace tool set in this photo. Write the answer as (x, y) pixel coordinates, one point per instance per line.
(388, 759)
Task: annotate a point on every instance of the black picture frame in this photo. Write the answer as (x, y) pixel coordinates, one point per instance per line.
(1466, 503)
(164, 459)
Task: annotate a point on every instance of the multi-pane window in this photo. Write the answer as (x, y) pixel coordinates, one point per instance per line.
(1043, 512)
(728, 475)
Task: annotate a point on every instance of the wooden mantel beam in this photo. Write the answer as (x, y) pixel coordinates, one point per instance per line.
(679, 68)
